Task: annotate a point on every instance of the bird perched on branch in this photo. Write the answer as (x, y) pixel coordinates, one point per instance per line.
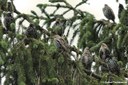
(31, 31)
(8, 19)
(111, 63)
(60, 43)
(87, 58)
(121, 8)
(108, 13)
(123, 15)
(113, 66)
(63, 47)
(104, 52)
(59, 26)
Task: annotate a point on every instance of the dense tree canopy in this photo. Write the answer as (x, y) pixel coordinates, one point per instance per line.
(40, 54)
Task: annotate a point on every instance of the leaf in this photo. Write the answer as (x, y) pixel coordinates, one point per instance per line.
(3, 4)
(37, 21)
(1, 61)
(53, 80)
(3, 44)
(12, 26)
(34, 13)
(61, 59)
(22, 83)
(40, 5)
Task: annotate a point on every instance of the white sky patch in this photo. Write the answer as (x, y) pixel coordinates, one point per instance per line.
(25, 6)
(95, 7)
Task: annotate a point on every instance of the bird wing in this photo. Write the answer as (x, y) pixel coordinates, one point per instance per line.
(113, 66)
(108, 13)
(63, 43)
(8, 20)
(111, 11)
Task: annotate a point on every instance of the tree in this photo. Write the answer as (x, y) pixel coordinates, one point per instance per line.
(27, 59)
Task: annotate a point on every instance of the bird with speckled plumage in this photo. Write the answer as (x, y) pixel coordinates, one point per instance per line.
(108, 13)
(87, 58)
(104, 52)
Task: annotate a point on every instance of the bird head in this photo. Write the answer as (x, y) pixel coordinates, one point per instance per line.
(56, 36)
(103, 45)
(121, 6)
(105, 5)
(31, 25)
(86, 50)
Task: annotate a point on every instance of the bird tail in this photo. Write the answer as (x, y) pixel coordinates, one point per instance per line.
(114, 21)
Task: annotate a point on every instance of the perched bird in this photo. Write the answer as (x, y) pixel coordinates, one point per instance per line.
(108, 13)
(10, 7)
(87, 59)
(113, 66)
(31, 31)
(111, 63)
(59, 26)
(123, 15)
(60, 43)
(7, 21)
(63, 47)
(121, 8)
(104, 52)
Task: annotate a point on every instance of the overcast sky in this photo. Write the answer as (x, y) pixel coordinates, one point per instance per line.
(94, 7)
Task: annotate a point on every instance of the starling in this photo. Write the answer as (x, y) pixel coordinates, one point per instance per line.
(59, 26)
(113, 66)
(108, 13)
(60, 43)
(63, 47)
(10, 7)
(123, 15)
(31, 32)
(121, 8)
(87, 59)
(104, 52)
(7, 21)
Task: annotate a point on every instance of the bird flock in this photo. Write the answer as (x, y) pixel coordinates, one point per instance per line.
(104, 51)
(62, 44)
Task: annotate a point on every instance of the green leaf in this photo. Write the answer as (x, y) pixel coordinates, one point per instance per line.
(22, 83)
(1, 61)
(4, 44)
(34, 13)
(53, 80)
(40, 5)
(37, 21)
(61, 59)
(12, 26)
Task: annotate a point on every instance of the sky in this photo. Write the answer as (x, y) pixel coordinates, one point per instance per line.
(94, 6)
